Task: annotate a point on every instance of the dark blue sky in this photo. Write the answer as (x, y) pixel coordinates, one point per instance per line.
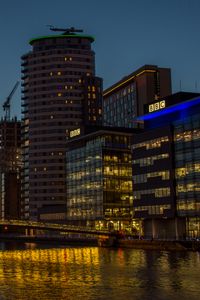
(129, 34)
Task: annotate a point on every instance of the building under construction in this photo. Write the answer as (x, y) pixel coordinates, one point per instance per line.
(10, 165)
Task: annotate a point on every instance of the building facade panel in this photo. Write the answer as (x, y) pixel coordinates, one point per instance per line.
(153, 184)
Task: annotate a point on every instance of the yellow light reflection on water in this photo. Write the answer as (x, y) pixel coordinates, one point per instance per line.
(44, 267)
(97, 273)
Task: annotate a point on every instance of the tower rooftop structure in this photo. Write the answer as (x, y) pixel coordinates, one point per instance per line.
(67, 33)
(89, 37)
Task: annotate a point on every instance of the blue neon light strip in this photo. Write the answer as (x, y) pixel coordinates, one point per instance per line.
(170, 109)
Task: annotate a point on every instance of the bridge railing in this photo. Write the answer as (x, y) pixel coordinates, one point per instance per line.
(60, 227)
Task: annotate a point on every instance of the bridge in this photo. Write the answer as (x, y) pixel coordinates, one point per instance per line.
(53, 227)
(104, 237)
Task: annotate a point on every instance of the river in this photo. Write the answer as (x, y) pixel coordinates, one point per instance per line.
(47, 272)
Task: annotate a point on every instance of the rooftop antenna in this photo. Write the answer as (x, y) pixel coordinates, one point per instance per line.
(70, 30)
(196, 85)
(180, 86)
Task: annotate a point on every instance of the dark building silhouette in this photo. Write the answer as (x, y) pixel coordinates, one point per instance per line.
(10, 169)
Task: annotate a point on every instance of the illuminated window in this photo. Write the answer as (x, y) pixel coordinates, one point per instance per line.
(153, 209)
(159, 193)
(155, 143)
(59, 94)
(144, 177)
(187, 136)
(59, 73)
(181, 172)
(147, 161)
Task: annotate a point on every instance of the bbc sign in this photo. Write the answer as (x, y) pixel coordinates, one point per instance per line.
(157, 106)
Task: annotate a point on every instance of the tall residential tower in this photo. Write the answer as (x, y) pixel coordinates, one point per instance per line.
(58, 84)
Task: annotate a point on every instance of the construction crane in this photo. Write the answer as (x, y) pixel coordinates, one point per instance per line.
(6, 104)
(70, 30)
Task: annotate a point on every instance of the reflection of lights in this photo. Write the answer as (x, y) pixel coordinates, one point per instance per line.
(36, 264)
(75, 255)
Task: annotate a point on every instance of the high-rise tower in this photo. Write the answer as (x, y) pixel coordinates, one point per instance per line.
(54, 87)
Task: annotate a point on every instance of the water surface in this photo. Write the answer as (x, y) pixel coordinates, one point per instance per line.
(44, 272)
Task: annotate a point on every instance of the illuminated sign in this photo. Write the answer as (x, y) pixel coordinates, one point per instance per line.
(75, 132)
(157, 106)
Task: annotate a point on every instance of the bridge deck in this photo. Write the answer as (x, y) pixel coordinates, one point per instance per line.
(53, 226)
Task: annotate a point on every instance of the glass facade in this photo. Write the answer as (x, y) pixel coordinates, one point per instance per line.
(99, 181)
(84, 181)
(152, 185)
(187, 171)
(120, 108)
(182, 172)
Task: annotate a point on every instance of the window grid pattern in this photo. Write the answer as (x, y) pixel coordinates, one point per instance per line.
(187, 165)
(121, 108)
(84, 181)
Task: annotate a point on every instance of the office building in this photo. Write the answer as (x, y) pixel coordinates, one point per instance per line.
(10, 169)
(60, 92)
(166, 168)
(99, 178)
(124, 100)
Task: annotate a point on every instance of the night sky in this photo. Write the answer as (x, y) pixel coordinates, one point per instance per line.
(128, 34)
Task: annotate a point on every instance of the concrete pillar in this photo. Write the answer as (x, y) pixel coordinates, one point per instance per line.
(153, 228)
(176, 229)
